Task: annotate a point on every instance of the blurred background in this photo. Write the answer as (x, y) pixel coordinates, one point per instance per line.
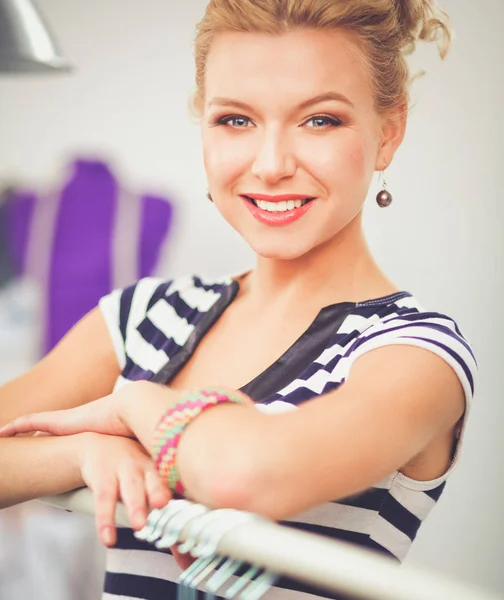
(98, 156)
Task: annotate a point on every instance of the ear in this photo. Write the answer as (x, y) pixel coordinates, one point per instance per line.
(392, 134)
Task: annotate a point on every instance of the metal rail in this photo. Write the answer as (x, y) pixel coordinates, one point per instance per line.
(336, 566)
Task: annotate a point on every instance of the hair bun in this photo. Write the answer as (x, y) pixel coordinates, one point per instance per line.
(423, 20)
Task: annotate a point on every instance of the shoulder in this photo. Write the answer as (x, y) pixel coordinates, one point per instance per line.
(153, 312)
(407, 318)
(152, 319)
(408, 323)
(137, 300)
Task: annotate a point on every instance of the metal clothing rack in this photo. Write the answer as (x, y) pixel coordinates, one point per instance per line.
(274, 550)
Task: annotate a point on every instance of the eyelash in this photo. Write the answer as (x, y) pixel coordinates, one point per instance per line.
(333, 121)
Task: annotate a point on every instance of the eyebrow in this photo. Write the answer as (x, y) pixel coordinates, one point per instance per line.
(326, 97)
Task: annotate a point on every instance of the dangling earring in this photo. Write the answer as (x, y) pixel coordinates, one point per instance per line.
(384, 197)
(209, 196)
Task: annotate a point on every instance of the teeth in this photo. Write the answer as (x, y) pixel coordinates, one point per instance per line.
(279, 206)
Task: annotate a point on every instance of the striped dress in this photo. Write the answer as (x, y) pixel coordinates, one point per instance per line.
(156, 325)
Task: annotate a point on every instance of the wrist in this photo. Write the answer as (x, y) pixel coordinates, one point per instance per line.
(174, 421)
(127, 401)
(141, 406)
(79, 444)
(76, 449)
(135, 401)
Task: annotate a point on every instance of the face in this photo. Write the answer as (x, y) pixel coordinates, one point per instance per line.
(289, 120)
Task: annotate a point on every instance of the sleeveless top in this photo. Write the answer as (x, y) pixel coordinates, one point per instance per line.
(156, 325)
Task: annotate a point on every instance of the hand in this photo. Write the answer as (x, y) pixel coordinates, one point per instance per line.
(117, 467)
(104, 415)
(134, 411)
(99, 416)
(113, 468)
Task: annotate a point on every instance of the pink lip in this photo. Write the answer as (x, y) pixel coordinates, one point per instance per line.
(277, 218)
(282, 198)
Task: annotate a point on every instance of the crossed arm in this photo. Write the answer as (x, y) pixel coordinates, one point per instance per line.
(234, 456)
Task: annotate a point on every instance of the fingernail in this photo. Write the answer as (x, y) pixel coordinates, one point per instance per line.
(107, 536)
(160, 500)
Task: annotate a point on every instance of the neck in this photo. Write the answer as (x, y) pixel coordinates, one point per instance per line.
(341, 270)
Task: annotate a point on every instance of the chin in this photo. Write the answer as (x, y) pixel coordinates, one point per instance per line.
(279, 251)
(273, 243)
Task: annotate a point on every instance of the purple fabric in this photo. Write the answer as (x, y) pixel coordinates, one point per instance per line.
(156, 222)
(18, 215)
(81, 269)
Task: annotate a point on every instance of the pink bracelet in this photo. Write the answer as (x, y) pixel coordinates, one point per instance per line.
(169, 429)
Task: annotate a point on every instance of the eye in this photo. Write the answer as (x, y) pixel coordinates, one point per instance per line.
(235, 121)
(323, 122)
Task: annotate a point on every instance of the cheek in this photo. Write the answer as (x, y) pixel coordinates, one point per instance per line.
(340, 164)
(224, 162)
(357, 161)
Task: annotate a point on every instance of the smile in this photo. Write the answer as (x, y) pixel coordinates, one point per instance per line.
(281, 206)
(283, 211)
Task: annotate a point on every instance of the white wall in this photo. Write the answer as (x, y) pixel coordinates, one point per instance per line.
(441, 238)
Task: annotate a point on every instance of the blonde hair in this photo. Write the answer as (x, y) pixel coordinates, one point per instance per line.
(387, 31)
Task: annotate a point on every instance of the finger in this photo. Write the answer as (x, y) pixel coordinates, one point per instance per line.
(57, 422)
(95, 416)
(132, 490)
(184, 561)
(158, 493)
(26, 424)
(105, 493)
(21, 425)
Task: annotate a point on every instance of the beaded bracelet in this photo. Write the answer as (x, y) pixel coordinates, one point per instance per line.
(169, 429)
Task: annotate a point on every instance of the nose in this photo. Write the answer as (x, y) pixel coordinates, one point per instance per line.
(274, 159)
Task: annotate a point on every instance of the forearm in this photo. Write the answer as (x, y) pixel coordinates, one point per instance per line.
(220, 456)
(217, 451)
(32, 467)
(279, 465)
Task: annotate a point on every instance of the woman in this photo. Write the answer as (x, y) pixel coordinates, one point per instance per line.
(300, 103)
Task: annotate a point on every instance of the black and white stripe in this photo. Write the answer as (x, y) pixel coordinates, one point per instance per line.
(156, 325)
